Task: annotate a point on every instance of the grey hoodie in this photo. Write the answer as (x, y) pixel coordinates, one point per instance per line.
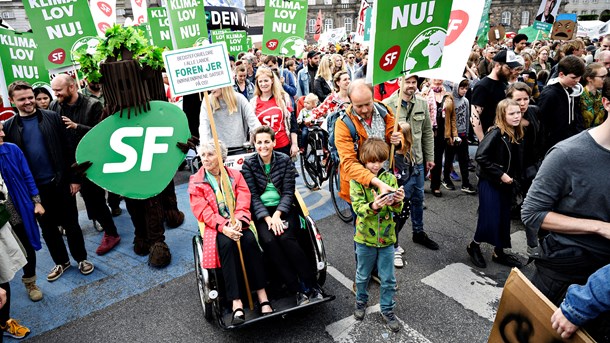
(462, 110)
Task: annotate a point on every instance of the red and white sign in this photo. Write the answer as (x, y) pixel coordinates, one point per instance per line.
(104, 15)
(461, 33)
(140, 12)
(361, 26)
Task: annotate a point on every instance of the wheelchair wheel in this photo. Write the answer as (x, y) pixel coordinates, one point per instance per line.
(342, 207)
(202, 276)
(308, 167)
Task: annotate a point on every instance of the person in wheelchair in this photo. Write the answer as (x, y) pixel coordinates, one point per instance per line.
(220, 237)
(270, 175)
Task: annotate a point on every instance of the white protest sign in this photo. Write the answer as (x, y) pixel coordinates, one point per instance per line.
(461, 32)
(104, 15)
(194, 70)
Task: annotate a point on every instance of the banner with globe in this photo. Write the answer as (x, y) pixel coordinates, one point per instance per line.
(408, 36)
(284, 28)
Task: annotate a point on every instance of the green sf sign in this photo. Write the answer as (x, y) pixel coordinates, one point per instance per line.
(136, 157)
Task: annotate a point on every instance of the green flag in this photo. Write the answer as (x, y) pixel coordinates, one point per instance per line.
(159, 27)
(409, 36)
(284, 28)
(21, 59)
(187, 22)
(61, 27)
(484, 25)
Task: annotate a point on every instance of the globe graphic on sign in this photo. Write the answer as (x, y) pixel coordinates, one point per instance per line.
(202, 41)
(426, 50)
(83, 46)
(293, 46)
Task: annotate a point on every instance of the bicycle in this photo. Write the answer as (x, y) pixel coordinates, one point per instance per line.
(315, 159)
(342, 207)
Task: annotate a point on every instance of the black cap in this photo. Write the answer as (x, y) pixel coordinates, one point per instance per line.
(507, 57)
(313, 53)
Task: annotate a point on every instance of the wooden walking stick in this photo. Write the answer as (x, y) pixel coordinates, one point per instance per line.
(226, 190)
(398, 101)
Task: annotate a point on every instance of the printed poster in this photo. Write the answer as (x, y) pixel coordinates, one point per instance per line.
(284, 28)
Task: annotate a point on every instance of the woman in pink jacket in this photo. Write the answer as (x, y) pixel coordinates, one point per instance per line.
(220, 237)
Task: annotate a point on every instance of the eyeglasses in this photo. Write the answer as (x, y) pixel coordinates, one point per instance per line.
(600, 76)
(351, 57)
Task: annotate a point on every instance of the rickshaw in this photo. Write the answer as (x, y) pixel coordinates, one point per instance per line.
(210, 281)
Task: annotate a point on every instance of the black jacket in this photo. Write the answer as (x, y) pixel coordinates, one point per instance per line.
(56, 137)
(496, 156)
(282, 175)
(86, 113)
(559, 115)
(321, 88)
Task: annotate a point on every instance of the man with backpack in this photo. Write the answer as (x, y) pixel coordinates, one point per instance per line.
(414, 111)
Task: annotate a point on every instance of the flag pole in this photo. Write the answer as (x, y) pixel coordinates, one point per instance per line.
(398, 102)
(226, 190)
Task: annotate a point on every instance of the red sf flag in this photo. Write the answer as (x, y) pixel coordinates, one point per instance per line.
(316, 35)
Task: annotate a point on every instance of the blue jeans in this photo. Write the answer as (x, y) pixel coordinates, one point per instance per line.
(383, 259)
(414, 191)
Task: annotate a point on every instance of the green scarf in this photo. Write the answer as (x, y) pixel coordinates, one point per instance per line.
(220, 197)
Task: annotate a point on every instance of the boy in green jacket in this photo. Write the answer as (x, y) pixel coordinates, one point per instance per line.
(375, 231)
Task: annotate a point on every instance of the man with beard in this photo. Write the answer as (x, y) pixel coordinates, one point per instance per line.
(307, 75)
(490, 91)
(94, 90)
(44, 141)
(414, 111)
(79, 114)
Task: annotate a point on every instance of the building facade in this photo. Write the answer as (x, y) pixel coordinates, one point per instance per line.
(601, 8)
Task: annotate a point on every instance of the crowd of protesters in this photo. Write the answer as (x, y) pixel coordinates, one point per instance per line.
(536, 109)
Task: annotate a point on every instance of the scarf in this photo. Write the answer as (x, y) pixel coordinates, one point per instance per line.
(221, 202)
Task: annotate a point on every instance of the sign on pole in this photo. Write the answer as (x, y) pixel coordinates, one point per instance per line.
(159, 27)
(197, 69)
(284, 28)
(187, 23)
(21, 59)
(364, 21)
(104, 15)
(218, 35)
(140, 14)
(545, 17)
(463, 25)
(60, 27)
(408, 35)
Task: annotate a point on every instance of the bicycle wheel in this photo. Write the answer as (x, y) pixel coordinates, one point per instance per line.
(308, 167)
(342, 207)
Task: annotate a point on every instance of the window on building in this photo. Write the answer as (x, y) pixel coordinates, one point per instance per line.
(328, 23)
(583, 12)
(311, 2)
(346, 1)
(525, 18)
(506, 16)
(260, 3)
(328, 2)
(347, 23)
(594, 1)
(312, 26)
(593, 12)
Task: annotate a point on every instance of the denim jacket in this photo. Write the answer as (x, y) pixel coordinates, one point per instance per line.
(374, 228)
(583, 303)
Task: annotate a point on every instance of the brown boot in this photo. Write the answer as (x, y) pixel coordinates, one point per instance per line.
(160, 255)
(34, 292)
(140, 246)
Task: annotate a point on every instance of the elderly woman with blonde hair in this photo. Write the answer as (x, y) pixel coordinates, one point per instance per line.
(209, 204)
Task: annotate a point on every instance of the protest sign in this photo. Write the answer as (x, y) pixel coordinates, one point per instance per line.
(284, 28)
(564, 28)
(226, 17)
(140, 14)
(104, 15)
(249, 42)
(463, 25)
(546, 14)
(197, 69)
(524, 315)
(136, 157)
(236, 42)
(333, 36)
(187, 23)
(159, 27)
(21, 58)
(58, 26)
(408, 35)
(363, 25)
(218, 35)
(484, 25)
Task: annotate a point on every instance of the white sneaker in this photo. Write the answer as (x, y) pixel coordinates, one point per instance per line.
(398, 262)
(400, 250)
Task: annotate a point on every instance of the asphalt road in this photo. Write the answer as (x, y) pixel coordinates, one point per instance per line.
(441, 296)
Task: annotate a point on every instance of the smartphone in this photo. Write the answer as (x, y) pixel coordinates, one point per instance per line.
(285, 223)
(387, 194)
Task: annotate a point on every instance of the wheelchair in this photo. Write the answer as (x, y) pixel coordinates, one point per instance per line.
(210, 282)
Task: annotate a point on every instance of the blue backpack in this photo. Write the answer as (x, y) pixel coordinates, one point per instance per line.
(331, 121)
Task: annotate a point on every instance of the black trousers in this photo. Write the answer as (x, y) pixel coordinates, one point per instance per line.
(439, 148)
(95, 201)
(231, 264)
(5, 311)
(461, 150)
(60, 209)
(29, 269)
(113, 200)
(285, 253)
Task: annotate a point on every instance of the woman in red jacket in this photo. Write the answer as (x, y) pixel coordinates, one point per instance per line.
(209, 206)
